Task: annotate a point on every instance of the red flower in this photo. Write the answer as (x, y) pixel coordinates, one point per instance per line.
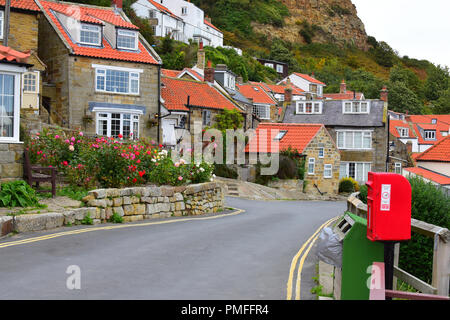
(141, 173)
(134, 180)
(138, 161)
(65, 163)
(120, 136)
(160, 145)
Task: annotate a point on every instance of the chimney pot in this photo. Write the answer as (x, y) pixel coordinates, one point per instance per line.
(117, 3)
(343, 88)
(384, 94)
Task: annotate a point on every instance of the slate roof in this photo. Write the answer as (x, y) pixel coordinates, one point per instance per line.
(332, 115)
(298, 136)
(96, 15)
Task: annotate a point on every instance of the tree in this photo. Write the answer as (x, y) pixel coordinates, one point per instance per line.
(442, 105)
(402, 99)
(384, 55)
(279, 52)
(409, 78)
(228, 119)
(437, 82)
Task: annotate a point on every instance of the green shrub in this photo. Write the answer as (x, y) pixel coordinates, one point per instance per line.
(17, 194)
(222, 170)
(348, 185)
(287, 168)
(363, 193)
(87, 220)
(116, 218)
(432, 206)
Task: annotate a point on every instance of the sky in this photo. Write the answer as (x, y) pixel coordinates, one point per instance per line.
(416, 28)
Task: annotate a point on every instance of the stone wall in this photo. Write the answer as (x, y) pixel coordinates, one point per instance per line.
(11, 161)
(139, 203)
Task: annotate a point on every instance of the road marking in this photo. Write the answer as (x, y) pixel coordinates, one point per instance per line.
(310, 241)
(79, 231)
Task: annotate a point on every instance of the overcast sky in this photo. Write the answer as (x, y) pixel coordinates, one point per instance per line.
(416, 28)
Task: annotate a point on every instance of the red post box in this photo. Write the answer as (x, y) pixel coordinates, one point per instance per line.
(388, 207)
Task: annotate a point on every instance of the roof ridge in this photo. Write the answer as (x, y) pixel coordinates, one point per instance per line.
(184, 79)
(92, 6)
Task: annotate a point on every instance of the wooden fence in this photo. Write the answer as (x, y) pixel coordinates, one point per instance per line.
(441, 252)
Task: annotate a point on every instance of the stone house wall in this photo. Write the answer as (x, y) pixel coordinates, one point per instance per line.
(71, 85)
(11, 161)
(140, 203)
(331, 156)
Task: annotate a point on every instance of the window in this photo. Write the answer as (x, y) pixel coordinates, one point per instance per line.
(321, 152)
(309, 107)
(262, 111)
(354, 139)
(118, 80)
(112, 124)
(280, 68)
(327, 171)
(152, 14)
(311, 165)
(30, 82)
(168, 31)
(90, 34)
(313, 88)
(280, 135)
(1, 24)
(356, 107)
(356, 170)
(398, 168)
(270, 65)
(127, 39)
(433, 121)
(184, 11)
(430, 135)
(9, 108)
(404, 132)
(206, 116)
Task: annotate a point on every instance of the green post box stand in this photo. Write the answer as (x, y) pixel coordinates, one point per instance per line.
(358, 254)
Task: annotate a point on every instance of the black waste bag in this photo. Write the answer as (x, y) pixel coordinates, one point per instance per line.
(329, 248)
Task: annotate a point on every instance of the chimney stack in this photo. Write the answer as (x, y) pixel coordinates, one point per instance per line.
(343, 88)
(201, 56)
(239, 80)
(288, 92)
(117, 3)
(209, 73)
(384, 94)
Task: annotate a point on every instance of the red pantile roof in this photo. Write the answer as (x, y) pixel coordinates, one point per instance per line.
(175, 93)
(197, 76)
(211, 25)
(255, 92)
(11, 55)
(279, 88)
(22, 4)
(95, 15)
(309, 78)
(170, 73)
(298, 136)
(439, 152)
(343, 96)
(430, 175)
(395, 124)
(160, 7)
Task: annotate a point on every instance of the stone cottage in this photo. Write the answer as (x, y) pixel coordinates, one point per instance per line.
(103, 77)
(358, 128)
(313, 142)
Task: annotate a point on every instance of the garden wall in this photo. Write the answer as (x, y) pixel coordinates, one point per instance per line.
(11, 163)
(140, 203)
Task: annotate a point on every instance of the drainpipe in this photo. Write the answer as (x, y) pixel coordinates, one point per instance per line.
(159, 104)
(6, 22)
(387, 151)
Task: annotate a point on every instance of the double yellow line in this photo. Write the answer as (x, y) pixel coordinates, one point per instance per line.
(309, 243)
(84, 230)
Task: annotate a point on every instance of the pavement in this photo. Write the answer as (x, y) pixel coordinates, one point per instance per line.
(245, 255)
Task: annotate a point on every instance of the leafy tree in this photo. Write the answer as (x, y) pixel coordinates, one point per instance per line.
(279, 52)
(442, 105)
(228, 119)
(384, 55)
(437, 82)
(402, 99)
(409, 78)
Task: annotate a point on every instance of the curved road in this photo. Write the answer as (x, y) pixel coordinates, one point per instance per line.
(243, 256)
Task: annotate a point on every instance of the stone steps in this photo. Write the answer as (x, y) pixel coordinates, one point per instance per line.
(233, 189)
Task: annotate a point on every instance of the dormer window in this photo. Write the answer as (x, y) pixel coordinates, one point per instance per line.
(280, 135)
(430, 135)
(356, 107)
(90, 34)
(309, 107)
(433, 121)
(404, 132)
(127, 39)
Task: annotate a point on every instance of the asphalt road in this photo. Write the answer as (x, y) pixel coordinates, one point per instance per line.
(243, 256)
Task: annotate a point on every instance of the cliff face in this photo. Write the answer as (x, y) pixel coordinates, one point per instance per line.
(330, 21)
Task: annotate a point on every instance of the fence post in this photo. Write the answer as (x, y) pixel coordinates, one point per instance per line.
(396, 260)
(441, 265)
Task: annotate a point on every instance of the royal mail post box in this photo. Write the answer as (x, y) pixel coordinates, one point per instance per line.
(388, 207)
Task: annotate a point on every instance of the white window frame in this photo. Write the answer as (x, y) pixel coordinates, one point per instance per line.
(259, 107)
(300, 107)
(344, 134)
(206, 117)
(268, 65)
(398, 168)
(280, 135)
(327, 167)
(311, 161)
(347, 170)
(2, 22)
(99, 31)
(321, 152)
(280, 68)
(429, 135)
(133, 77)
(17, 101)
(134, 119)
(355, 107)
(403, 132)
(184, 11)
(36, 79)
(129, 34)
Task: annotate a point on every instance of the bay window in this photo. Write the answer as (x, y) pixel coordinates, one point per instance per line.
(354, 139)
(117, 80)
(111, 124)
